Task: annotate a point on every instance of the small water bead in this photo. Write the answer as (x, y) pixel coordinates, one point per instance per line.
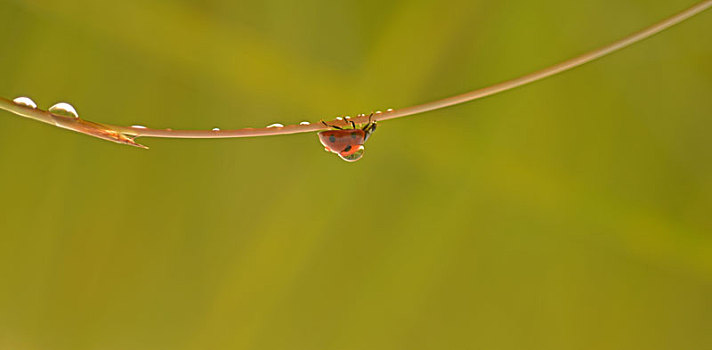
(64, 109)
(216, 129)
(379, 112)
(389, 110)
(138, 127)
(304, 123)
(25, 101)
(339, 118)
(275, 125)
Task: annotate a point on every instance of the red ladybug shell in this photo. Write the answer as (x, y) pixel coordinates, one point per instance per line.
(343, 142)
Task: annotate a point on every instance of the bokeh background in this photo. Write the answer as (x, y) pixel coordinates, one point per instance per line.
(573, 213)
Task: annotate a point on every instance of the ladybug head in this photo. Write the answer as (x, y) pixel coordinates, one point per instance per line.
(369, 129)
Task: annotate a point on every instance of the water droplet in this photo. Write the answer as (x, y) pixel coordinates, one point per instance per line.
(304, 123)
(138, 127)
(379, 112)
(216, 129)
(347, 117)
(25, 101)
(389, 110)
(339, 118)
(64, 109)
(353, 157)
(275, 125)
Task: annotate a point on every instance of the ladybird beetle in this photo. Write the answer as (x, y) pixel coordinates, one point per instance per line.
(347, 143)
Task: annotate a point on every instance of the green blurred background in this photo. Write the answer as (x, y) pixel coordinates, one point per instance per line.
(569, 214)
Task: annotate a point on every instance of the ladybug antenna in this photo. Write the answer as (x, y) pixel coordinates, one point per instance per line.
(370, 126)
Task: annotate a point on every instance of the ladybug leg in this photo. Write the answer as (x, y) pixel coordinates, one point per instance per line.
(353, 125)
(370, 122)
(331, 126)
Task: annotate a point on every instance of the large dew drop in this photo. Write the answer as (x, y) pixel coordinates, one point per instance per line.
(304, 123)
(353, 157)
(64, 109)
(25, 101)
(275, 125)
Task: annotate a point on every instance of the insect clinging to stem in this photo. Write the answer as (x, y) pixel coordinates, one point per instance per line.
(341, 141)
(347, 143)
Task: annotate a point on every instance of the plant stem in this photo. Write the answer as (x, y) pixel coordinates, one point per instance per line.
(126, 135)
(555, 69)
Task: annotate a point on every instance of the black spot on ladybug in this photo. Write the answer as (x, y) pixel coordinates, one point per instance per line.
(348, 148)
(332, 138)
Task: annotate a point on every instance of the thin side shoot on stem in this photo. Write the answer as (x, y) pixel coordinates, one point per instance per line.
(126, 135)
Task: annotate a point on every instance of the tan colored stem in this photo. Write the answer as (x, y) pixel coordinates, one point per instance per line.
(555, 69)
(126, 135)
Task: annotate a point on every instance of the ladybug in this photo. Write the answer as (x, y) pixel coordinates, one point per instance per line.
(347, 143)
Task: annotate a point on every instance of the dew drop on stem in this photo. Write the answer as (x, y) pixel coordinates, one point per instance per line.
(25, 101)
(64, 109)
